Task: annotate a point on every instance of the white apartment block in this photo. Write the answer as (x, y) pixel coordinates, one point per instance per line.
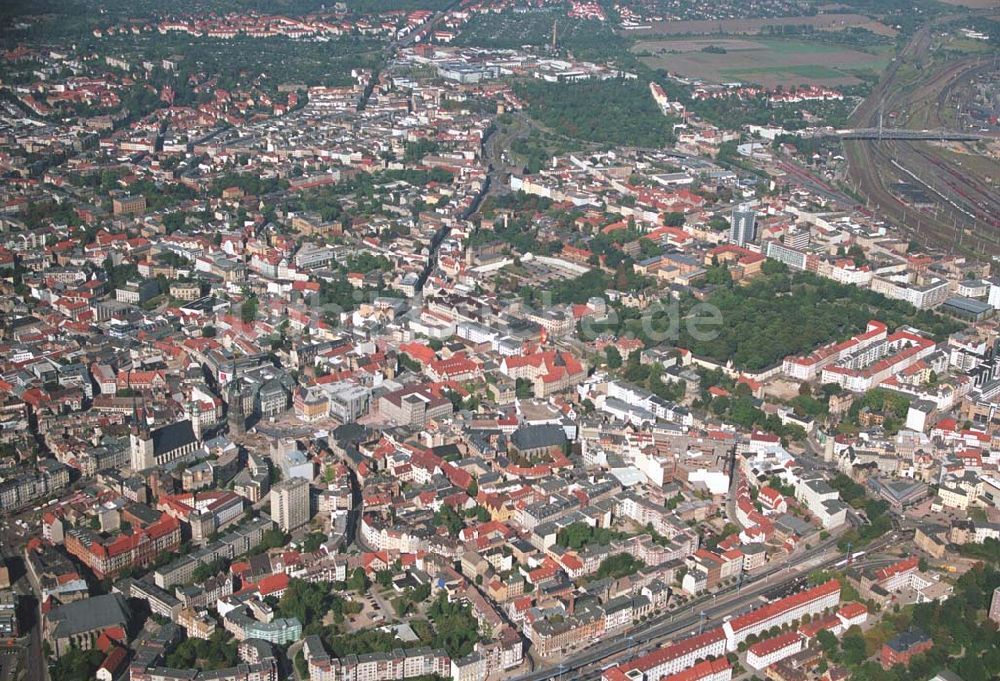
(781, 612)
(922, 297)
(807, 368)
(767, 652)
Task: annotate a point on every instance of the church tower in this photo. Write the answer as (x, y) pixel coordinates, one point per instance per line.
(140, 441)
(237, 417)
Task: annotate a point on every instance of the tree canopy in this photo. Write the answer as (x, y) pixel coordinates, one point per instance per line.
(578, 535)
(614, 111)
(217, 652)
(777, 315)
(619, 565)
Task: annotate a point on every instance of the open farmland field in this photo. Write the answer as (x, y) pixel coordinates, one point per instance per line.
(770, 62)
(974, 4)
(820, 22)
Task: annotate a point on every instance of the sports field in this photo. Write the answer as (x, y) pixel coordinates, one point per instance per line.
(768, 62)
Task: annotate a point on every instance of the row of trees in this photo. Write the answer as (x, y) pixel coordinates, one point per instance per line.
(77, 665)
(875, 510)
(243, 61)
(650, 376)
(251, 184)
(743, 411)
(892, 406)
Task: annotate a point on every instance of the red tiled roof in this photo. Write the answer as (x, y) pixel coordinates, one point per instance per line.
(675, 650)
(702, 670)
(852, 610)
(770, 645)
(783, 605)
(419, 352)
(904, 565)
(272, 584)
(114, 660)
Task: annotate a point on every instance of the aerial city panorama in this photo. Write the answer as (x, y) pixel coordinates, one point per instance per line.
(499, 340)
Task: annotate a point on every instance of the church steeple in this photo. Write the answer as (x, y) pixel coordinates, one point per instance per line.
(144, 420)
(236, 417)
(141, 446)
(140, 426)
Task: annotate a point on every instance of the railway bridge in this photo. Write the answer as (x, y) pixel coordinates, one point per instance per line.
(903, 134)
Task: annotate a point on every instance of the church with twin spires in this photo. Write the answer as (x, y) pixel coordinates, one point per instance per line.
(157, 447)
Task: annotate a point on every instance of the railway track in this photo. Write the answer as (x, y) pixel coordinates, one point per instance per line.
(981, 199)
(967, 207)
(874, 171)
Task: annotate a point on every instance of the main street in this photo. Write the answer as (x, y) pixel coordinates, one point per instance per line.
(729, 601)
(27, 653)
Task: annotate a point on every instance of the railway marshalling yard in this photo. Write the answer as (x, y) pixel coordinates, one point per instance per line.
(943, 194)
(933, 86)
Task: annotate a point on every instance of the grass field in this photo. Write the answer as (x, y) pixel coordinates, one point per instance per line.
(955, 42)
(974, 4)
(981, 160)
(769, 62)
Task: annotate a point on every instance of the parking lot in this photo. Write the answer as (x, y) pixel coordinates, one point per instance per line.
(9, 663)
(372, 614)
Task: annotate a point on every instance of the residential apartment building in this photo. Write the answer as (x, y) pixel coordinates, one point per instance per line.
(809, 367)
(290, 504)
(743, 225)
(109, 557)
(413, 406)
(867, 368)
(783, 611)
(551, 636)
(397, 664)
(765, 653)
(675, 658)
(923, 296)
(47, 477)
